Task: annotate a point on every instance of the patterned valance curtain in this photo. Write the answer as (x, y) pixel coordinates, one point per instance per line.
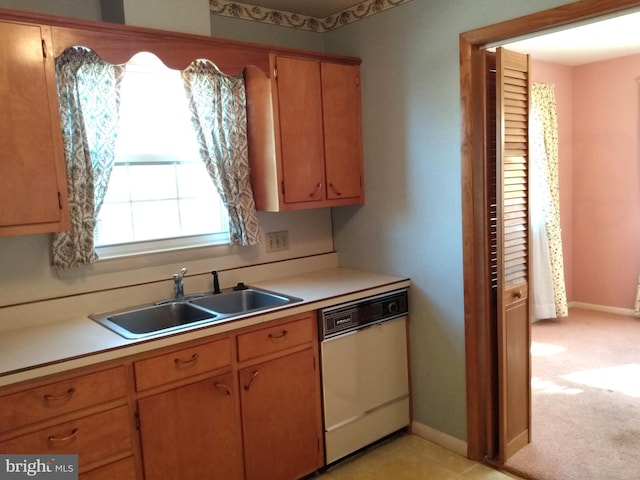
(88, 92)
(544, 102)
(218, 109)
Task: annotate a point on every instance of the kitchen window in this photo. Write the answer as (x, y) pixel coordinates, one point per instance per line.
(177, 129)
(160, 195)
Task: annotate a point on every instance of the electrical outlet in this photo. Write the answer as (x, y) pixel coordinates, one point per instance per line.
(277, 241)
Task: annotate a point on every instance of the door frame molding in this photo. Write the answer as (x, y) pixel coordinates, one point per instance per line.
(478, 342)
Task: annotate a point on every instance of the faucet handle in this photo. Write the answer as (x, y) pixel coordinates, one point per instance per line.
(183, 271)
(216, 282)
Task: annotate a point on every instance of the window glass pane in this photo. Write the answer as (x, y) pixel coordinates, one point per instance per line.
(153, 182)
(114, 225)
(118, 190)
(159, 186)
(194, 221)
(194, 181)
(155, 220)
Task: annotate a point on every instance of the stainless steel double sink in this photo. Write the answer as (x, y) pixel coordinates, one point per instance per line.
(178, 313)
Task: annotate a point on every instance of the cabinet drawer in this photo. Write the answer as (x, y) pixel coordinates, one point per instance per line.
(93, 438)
(274, 339)
(124, 469)
(183, 363)
(36, 404)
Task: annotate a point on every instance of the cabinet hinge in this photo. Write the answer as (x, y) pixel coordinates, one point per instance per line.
(44, 49)
(282, 186)
(137, 417)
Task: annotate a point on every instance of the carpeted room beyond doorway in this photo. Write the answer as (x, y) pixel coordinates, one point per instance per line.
(585, 399)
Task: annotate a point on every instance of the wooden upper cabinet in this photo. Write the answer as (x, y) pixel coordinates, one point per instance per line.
(33, 194)
(341, 109)
(299, 94)
(305, 139)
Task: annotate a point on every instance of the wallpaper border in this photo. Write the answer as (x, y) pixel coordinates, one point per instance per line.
(294, 20)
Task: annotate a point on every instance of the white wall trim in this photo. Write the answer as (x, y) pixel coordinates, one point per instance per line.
(439, 438)
(603, 308)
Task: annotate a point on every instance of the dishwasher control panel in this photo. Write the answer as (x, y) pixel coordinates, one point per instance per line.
(353, 315)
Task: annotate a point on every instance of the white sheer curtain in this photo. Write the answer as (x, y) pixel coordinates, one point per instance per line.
(543, 303)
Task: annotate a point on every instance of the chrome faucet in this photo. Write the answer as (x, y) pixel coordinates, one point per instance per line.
(178, 283)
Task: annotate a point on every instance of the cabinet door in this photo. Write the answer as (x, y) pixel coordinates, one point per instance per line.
(301, 136)
(342, 131)
(192, 432)
(32, 178)
(281, 418)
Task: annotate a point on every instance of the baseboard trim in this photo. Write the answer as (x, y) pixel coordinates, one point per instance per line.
(439, 438)
(603, 308)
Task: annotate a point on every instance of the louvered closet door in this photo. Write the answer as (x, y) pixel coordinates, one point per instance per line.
(513, 329)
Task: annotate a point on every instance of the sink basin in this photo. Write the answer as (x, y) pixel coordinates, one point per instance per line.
(171, 315)
(147, 320)
(242, 301)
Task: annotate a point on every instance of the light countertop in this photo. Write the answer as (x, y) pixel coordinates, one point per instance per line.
(35, 351)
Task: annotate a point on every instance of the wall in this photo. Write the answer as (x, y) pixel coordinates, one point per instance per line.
(561, 76)
(25, 272)
(411, 222)
(598, 112)
(85, 9)
(606, 203)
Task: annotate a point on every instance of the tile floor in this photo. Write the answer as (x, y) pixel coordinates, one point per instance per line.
(410, 457)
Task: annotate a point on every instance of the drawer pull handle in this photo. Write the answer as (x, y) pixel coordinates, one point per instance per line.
(180, 362)
(73, 433)
(52, 398)
(254, 374)
(282, 334)
(223, 387)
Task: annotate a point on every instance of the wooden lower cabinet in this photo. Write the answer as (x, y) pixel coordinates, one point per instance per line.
(280, 419)
(192, 432)
(124, 469)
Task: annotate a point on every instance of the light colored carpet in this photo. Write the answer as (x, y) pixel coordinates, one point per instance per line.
(585, 399)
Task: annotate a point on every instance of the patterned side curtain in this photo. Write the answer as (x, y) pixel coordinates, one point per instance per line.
(89, 96)
(544, 101)
(218, 110)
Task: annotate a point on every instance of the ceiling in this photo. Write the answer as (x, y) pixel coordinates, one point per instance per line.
(600, 40)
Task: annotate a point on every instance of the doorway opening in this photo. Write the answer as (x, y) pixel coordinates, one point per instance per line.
(483, 415)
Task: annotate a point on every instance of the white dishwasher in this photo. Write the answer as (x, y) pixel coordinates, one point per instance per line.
(365, 379)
